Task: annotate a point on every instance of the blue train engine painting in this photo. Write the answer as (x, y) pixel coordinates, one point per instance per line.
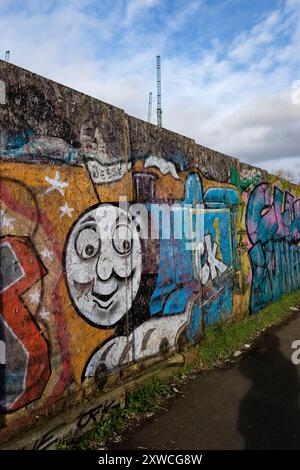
(197, 263)
(164, 272)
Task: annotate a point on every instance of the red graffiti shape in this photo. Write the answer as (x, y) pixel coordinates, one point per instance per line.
(23, 270)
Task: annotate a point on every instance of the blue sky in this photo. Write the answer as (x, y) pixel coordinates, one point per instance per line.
(227, 65)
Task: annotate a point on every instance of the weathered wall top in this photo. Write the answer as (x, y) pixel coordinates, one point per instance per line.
(80, 124)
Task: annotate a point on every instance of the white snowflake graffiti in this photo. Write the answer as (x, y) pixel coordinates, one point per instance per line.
(47, 254)
(56, 184)
(66, 210)
(34, 297)
(44, 314)
(6, 221)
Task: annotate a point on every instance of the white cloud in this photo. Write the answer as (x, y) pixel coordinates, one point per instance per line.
(247, 44)
(137, 7)
(289, 170)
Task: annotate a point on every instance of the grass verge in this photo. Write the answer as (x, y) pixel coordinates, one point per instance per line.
(147, 399)
(222, 340)
(219, 342)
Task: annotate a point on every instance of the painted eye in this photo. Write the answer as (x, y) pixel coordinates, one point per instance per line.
(87, 243)
(122, 239)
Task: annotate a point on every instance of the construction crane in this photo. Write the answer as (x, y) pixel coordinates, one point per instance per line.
(7, 54)
(158, 84)
(150, 107)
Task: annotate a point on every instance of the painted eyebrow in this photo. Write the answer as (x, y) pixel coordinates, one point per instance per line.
(88, 219)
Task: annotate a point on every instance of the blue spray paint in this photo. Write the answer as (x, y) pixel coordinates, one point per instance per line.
(273, 226)
(208, 277)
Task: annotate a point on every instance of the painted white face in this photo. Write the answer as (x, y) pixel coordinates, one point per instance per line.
(104, 264)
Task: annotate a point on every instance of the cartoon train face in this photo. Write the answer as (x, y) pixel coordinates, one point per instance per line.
(103, 264)
(107, 261)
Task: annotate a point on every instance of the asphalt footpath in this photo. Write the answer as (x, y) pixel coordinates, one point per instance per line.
(251, 404)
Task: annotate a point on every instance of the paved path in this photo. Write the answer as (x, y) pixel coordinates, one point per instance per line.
(254, 404)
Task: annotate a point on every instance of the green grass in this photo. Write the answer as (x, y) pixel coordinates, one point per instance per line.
(218, 343)
(222, 340)
(148, 398)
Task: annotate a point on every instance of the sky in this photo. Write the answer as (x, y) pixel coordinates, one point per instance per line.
(228, 66)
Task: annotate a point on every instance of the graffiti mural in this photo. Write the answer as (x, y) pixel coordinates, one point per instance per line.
(107, 268)
(120, 242)
(89, 286)
(273, 225)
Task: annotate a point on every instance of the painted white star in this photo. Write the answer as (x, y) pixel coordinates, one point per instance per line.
(5, 220)
(44, 314)
(66, 210)
(47, 254)
(34, 297)
(56, 184)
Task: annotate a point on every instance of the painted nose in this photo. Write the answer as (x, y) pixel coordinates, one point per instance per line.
(104, 265)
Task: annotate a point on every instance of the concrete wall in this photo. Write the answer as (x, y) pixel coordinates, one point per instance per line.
(85, 295)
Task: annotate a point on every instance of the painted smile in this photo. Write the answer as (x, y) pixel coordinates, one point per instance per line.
(104, 300)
